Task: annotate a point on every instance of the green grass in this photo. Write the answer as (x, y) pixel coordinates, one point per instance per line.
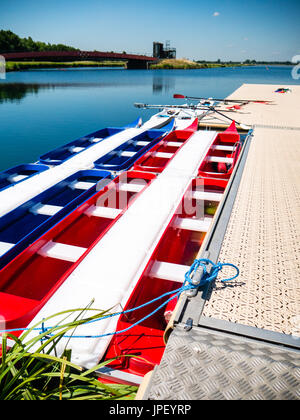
(31, 370)
(175, 64)
(187, 65)
(27, 65)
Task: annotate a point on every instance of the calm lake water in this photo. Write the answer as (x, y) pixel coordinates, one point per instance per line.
(42, 109)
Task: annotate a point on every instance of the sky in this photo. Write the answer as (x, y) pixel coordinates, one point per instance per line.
(199, 30)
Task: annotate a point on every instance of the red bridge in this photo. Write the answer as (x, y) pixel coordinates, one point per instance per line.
(133, 61)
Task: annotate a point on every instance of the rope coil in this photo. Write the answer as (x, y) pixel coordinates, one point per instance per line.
(207, 277)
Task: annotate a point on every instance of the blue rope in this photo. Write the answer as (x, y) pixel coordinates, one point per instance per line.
(187, 285)
(209, 277)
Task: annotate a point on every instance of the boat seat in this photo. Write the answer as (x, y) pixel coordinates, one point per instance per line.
(96, 139)
(106, 212)
(169, 271)
(132, 187)
(207, 195)
(45, 209)
(220, 159)
(197, 225)
(16, 178)
(127, 154)
(174, 143)
(75, 149)
(62, 251)
(81, 185)
(4, 247)
(163, 155)
(223, 148)
(142, 143)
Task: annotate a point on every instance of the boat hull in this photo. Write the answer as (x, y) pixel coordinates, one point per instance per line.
(223, 155)
(156, 159)
(26, 223)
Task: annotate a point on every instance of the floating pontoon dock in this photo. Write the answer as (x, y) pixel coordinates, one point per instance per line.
(241, 340)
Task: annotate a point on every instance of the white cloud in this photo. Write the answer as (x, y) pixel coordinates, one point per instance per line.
(216, 14)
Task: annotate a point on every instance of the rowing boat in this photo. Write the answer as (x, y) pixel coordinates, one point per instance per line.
(124, 156)
(184, 115)
(156, 159)
(19, 173)
(158, 120)
(165, 272)
(23, 225)
(63, 153)
(222, 155)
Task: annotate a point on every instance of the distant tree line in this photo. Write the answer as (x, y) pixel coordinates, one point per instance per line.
(10, 42)
(247, 62)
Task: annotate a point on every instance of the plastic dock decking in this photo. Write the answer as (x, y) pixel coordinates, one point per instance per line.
(241, 340)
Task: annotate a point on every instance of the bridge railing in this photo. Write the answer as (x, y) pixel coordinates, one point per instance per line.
(76, 55)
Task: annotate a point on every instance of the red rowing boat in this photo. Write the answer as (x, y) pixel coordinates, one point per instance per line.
(156, 159)
(165, 271)
(223, 155)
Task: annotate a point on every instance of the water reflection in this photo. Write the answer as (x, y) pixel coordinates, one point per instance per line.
(162, 84)
(15, 92)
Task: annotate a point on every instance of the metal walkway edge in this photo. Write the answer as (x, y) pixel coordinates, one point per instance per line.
(207, 363)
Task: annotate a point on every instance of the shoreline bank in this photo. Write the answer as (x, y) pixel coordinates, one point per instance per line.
(168, 64)
(31, 65)
(183, 64)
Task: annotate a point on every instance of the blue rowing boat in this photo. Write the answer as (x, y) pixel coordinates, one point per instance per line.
(19, 173)
(12, 198)
(63, 153)
(27, 222)
(123, 157)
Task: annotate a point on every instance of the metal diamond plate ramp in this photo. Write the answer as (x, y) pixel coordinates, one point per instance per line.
(210, 365)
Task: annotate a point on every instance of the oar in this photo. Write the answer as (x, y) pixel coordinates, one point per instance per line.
(243, 126)
(194, 107)
(191, 106)
(141, 105)
(179, 96)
